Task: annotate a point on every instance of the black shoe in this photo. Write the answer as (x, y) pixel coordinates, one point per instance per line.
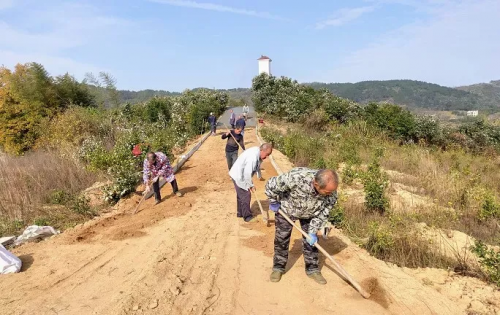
(249, 219)
(157, 202)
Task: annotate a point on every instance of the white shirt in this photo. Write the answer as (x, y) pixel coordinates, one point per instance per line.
(247, 164)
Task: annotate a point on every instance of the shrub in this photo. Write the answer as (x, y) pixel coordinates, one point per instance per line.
(29, 98)
(337, 216)
(59, 197)
(349, 174)
(317, 120)
(273, 136)
(340, 109)
(81, 206)
(74, 126)
(158, 109)
(399, 123)
(489, 260)
(490, 208)
(375, 183)
(282, 97)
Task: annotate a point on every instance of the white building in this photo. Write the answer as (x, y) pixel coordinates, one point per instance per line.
(264, 65)
(472, 113)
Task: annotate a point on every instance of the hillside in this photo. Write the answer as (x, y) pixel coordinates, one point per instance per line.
(135, 97)
(414, 94)
(489, 91)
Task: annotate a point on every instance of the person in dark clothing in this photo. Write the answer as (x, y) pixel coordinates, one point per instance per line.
(213, 123)
(232, 119)
(241, 121)
(231, 145)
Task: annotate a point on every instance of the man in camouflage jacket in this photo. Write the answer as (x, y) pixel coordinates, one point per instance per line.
(306, 195)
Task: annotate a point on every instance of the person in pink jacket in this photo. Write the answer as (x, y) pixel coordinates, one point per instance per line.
(156, 165)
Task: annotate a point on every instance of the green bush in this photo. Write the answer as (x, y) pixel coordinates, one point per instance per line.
(341, 109)
(490, 208)
(489, 260)
(273, 136)
(381, 240)
(81, 206)
(59, 197)
(349, 174)
(317, 120)
(41, 221)
(337, 216)
(282, 97)
(158, 109)
(375, 184)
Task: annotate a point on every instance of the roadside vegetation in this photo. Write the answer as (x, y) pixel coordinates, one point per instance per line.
(404, 178)
(59, 136)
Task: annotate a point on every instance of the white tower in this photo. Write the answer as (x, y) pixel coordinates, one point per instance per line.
(264, 64)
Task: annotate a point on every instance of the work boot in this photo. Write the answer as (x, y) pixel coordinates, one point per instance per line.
(275, 276)
(318, 277)
(249, 219)
(178, 194)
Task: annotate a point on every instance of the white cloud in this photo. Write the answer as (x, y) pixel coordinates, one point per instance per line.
(453, 47)
(219, 8)
(344, 16)
(46, 36)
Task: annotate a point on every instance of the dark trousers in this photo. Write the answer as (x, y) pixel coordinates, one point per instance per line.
(213, 128)
(156, 188)
(231, 157)
(243, 198)
(282, 242)
(232, 125)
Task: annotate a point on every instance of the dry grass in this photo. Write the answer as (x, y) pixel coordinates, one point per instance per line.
(454, 185)
(28, 182)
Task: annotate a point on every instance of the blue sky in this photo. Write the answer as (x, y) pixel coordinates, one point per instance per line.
(177, 44)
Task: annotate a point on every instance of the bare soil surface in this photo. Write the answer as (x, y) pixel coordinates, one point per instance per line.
(192, 255)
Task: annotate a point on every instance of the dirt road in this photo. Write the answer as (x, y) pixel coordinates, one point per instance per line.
(191, 255)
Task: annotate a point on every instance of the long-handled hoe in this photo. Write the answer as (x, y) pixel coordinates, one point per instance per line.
(265, 214)
(142, 199)
(336, 265)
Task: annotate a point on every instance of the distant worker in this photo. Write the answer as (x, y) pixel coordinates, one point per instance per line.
(306, 195)
(246, 110)
(232, 119)
(213, 123)
(157, 165)
(241, 121)
(232, 146)
(247, 164)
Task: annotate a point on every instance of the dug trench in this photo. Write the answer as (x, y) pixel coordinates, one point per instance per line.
(191, 255)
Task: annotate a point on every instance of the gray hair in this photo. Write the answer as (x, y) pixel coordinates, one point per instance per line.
(325, 176)
(267, 147)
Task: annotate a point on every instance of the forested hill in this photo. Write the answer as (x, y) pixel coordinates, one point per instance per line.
(134, 97)
(489, 91)
(414, 94)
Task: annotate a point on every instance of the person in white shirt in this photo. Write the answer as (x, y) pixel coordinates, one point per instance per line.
(247, 164)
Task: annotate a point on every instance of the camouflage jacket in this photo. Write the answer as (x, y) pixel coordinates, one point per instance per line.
(298, 197)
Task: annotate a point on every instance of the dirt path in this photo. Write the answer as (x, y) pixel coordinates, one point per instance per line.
(191, 255)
